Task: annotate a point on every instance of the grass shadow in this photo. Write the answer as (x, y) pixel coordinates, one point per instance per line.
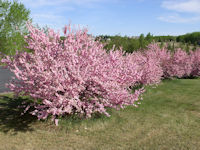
(77, 120)
(10, 115)
(11, 120)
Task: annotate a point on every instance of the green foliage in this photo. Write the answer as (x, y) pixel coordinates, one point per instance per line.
(162, 44)
(129, 44)
(164, 38)
(187, 48)
(13, 17)
(149, 37)
(193, 38)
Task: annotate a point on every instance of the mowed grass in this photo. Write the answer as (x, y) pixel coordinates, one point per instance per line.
(168, 118)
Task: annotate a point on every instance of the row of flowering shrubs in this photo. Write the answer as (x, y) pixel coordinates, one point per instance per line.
(77, 76)
(179, 64)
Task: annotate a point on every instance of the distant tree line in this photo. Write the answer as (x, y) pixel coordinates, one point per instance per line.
(167, 38)
(192, 38)
(130, 44)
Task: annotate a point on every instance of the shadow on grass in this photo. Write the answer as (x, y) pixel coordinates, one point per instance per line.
(12, 121)
(11, 118)
(71, 121)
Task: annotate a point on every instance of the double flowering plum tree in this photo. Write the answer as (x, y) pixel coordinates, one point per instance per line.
(149, 68)
(162, 56)
(178, 64)
(75, 75)
(195, 60)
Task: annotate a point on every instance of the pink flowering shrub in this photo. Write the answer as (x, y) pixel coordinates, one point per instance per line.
(180, 64)
(195, 59)
(72, 76)
(152, 69)
(149, 68)
(161, 55)
(77, 76)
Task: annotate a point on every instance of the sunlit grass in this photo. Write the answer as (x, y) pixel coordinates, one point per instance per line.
(167, 118)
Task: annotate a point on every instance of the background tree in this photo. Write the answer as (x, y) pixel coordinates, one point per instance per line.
(149, 37)
(13, 18)
(142, 40)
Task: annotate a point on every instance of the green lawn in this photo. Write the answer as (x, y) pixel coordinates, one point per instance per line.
(167, 119)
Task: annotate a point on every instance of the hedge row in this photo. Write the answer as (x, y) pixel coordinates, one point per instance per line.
(78, 76)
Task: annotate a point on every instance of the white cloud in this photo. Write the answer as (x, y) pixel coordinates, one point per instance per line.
(56, 13)
(176, 18)
(51, 20)
(185, 11)
(191, 6)
(53, 12)
(47, 16)
(39, 3)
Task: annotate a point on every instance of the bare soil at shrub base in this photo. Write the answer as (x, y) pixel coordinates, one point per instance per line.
(167, 118)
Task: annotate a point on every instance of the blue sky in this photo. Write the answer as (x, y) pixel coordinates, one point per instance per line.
(124, 17)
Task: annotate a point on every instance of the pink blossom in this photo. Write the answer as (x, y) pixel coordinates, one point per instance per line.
(72, 76)
(78, 76)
